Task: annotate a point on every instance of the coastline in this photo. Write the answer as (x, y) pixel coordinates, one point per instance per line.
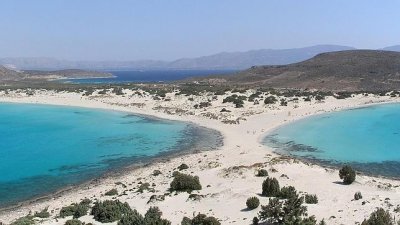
(138, 162)
(241, 147)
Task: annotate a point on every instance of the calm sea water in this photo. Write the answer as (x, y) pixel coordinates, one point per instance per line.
(367, 138)
(151, 76)
(44, 148)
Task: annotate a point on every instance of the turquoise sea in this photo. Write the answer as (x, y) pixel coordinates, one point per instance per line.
(45, 148)
(366, 138)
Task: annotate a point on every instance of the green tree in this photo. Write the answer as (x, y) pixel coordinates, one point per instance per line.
(270, 187)
(379, 217)
(347, 174)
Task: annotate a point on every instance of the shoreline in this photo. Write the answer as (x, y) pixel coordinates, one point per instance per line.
(115, 173)
(241, 147)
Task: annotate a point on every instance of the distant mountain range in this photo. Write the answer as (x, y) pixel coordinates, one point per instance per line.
(225, 60)
(395, 48)
(352, 70)
(220, 61)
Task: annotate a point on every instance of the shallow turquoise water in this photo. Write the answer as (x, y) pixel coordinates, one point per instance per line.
(368, 138)
(44, 148)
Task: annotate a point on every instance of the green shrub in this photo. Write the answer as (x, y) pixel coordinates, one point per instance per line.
(156, 172)
(255, 221)
(283, 102)
(132, 218)
(184, 182)
(183, 166)
(111, 192)
(200, 219)
(270, 187)
(287, 192)
(319, 97)
(26, 220)
(76, 210)
(85, 202)
(68, 210)
(110, 211)
(357, 196)
(270, 100)
(152, 217)
(80, 210)
(311, 199)
(73, 222)
(262, 173)
(343, 95)
(42, 214)
(379, 217)
(347, 174)
(236, 100)
(290, 211)
(252, 202)
(144, 187)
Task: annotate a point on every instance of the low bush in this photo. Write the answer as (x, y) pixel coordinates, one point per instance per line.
(290, 211)
(270, 187)
(144, 187)
(283, 102)
(287, 192)
(347, 174)
(184, 182)
(156, 172)
(238, 101)
(255, 221)
(252, 202)
(42, 214)
(183, 166)
(68, 210)
(270, 100)
(357, 196)
(343, 95)
(319, 97)
(76, 210)
(262, 173)
(111, 192)
(73, 222)
(311, 199)
(26, 220)
(200, 219)
(110, 211)
(379, 217)
(152, 217)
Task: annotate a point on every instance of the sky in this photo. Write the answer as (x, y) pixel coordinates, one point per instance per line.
(171, 29)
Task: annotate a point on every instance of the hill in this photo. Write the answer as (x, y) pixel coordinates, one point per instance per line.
(395, 48)
(12, 75)
(222, 61)
(351, 70)
(7, 74)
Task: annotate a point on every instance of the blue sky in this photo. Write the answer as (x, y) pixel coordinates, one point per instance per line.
(170, 29)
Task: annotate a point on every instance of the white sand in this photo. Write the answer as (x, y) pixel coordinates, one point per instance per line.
(225, 188)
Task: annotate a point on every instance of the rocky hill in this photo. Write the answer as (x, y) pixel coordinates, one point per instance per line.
(344, 70)
(7, 74)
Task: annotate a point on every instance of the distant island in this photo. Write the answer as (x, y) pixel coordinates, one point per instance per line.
(12, 75)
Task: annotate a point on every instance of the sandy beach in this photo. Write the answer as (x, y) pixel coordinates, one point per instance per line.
(226, 174)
